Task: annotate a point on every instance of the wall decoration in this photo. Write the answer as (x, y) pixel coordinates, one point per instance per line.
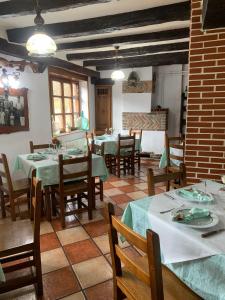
(13, 110)
(139, 87)
(18, 64)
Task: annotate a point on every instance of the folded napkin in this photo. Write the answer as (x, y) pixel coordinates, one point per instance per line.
(49, 151)
(186, 216)
(101, 137)
(36, 156)
(195, 195)
(74, 151)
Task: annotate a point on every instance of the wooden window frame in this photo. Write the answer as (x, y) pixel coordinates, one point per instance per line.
(63, 97)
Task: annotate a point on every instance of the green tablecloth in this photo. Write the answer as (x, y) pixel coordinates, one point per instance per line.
(47, 170)
(205, 276)
(2, 276)
(111, 143)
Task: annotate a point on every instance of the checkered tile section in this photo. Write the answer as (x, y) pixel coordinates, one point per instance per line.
(76, 263)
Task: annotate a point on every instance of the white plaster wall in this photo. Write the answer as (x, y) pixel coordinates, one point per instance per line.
(169, 87)
(39, 114)
(152, 141)
(39, 117)
(91, 96)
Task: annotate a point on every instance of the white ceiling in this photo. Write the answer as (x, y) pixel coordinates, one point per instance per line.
(97, 10)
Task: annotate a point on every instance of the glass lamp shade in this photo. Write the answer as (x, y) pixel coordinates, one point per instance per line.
(117, 75)
(41, 45)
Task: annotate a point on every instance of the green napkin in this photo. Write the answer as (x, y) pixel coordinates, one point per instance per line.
(195, 195)
(101, 137)
(74, 151)
(36, 156)
(186, 216)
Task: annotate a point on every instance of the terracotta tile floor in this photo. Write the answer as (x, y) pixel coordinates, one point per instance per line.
(76, 260)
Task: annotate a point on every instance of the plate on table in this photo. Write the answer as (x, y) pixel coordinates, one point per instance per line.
(199, 223)
(195, 195)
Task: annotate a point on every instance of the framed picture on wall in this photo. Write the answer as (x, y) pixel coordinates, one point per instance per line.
(13, 110)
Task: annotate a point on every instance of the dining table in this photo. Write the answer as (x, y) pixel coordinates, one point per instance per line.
(111, 143)
(47, 170)
(196, 260)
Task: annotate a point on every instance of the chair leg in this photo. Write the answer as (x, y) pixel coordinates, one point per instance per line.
(118, 167)
(12, 209)
(139, 162)
(62, 211)
(39, 285)
(101, 190)
(2, 199)
(118, 294)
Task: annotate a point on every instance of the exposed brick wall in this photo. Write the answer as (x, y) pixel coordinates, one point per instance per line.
(157, 120)
(205, 135)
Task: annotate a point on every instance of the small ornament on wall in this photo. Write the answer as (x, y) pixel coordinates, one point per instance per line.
(13, 110)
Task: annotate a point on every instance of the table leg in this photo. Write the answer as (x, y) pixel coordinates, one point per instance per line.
(48, 203)
(93, 192)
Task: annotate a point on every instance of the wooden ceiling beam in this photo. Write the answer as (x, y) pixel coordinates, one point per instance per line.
(213, 14)
(106, 24)
(142, 61)
(129, 52)
(21, 52)
(128, 39)
(16, 8)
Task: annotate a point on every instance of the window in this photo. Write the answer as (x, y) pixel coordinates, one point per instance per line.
(65, 102)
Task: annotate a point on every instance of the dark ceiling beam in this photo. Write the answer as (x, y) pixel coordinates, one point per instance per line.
(21, 52)
(213, 14)
(128, 39)
(129, 52)
(107, 24)
(26, 7)
(144, 61)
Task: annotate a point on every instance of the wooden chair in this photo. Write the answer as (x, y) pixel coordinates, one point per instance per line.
(142, 278)
(174, 144)
(99, 150)
(168, 177)
(11, 190)
(20, 247)
(70, 185)
(39, 147)
(137, 157)
(124, 160)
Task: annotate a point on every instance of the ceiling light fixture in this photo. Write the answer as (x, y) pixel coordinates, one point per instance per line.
(117, 74)
(40, 44)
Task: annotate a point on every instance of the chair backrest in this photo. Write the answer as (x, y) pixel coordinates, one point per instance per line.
(36, 197)
(5, 176)
(99, 132)
(172, 143)
(137, 132)
(89, 138)
(98, 149)
(39, 146)
(150, 246)
(126, 143)
(74, 169)
(167, 177)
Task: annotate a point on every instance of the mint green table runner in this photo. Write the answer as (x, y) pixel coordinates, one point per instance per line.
(205, 276)
(163, 160)
(111, 143)
(47, 170)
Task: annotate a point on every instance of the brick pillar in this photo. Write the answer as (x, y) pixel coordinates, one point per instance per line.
(205, 135)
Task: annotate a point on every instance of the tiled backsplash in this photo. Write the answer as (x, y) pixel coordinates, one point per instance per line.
(154, 121)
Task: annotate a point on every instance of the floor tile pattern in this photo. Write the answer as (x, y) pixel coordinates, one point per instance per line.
(76, 261)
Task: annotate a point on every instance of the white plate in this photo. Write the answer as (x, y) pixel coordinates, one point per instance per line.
(201, 223)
